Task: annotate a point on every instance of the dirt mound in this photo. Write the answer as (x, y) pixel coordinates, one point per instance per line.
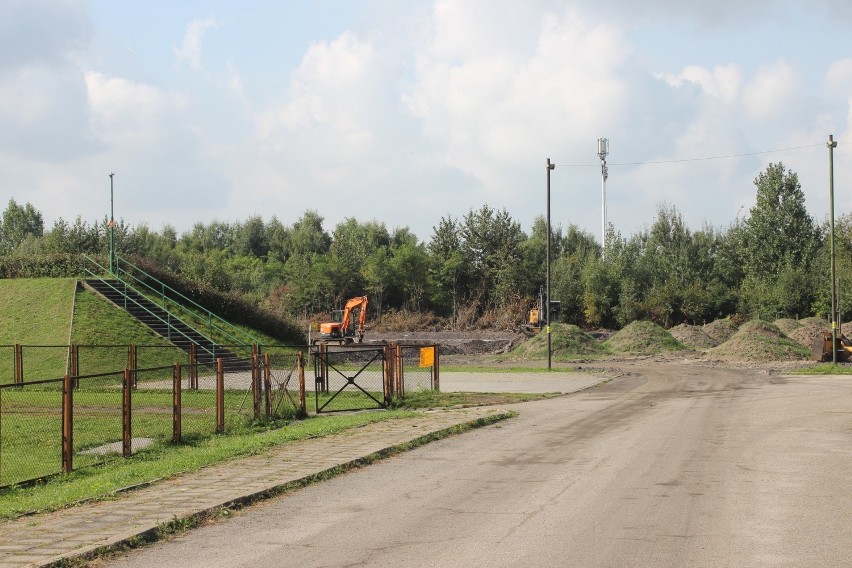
(693, 336)
(787, 325)
(643, 338)
(760, 341)
(720, 330)
(810, 329)
(566, 342)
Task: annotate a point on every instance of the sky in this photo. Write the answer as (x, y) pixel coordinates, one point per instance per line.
(407, 111)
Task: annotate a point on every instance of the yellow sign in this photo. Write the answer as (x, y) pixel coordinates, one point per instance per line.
(427, 356)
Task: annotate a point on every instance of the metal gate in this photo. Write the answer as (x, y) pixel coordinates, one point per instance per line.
(349, 378)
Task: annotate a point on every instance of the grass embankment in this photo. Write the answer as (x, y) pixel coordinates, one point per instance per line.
(35, 312)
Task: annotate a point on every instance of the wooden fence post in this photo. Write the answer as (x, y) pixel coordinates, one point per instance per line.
(220, 396)
(126, 438)
(19, 363)
(255, 380)
(436, 366)
(67, 425)
(267, 384)
(303, 410)
(176, 405)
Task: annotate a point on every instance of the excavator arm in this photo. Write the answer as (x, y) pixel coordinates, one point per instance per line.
(359, 302)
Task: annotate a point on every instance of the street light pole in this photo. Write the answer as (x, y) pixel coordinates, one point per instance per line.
(111, 226)
(834, 311)
(546, 306)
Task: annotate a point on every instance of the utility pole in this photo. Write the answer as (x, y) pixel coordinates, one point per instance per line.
(546, 306)
(834, 308)
(111, 226)
(603, 150)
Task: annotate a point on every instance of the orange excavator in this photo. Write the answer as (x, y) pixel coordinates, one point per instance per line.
(340, 329)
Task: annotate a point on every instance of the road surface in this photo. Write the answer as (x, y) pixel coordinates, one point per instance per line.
(668, 465)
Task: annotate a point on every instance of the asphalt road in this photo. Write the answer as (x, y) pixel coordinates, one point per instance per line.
(669, 465)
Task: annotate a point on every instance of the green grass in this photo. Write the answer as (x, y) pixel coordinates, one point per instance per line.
(166, 460)
(499, 369)
(35, 311)
(435, 399)
(824, 369)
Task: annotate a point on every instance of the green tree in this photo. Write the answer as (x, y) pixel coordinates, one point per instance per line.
(19, 222)
(780, 243)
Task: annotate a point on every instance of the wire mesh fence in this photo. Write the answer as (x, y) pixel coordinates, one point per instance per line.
(152, 418)
(416, 368)
(56, 425)
(98, 418)
(350, 379)
(283, 383)
(30, 431)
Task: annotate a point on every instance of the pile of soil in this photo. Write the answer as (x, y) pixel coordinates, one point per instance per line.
(693, 336)
(760, 341)
(566, 341)
(721, 330)
(787, 325)
(643, 338)
(809, 329)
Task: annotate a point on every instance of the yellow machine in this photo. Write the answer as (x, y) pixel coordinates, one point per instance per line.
(821, 348)
(340, 329)
(536, 318)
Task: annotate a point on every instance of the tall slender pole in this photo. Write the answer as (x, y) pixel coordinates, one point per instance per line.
(547, 299)
(111, 226)
(834, 308)
(603, 150)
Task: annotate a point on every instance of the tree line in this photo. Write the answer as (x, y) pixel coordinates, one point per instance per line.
(483, 269)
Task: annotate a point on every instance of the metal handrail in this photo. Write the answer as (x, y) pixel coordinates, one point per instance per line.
(246, 340)
(168, 323)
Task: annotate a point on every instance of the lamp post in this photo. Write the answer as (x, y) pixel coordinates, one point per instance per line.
(603, 150)
(834, 311)
(546, 306)
(111, 226)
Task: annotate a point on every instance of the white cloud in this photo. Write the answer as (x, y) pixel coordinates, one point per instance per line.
(723, 81)
(772, 92)
(189, 51)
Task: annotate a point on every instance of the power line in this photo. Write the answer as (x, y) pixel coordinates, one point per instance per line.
(681, 160)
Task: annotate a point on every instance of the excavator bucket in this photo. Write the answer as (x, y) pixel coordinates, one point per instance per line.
(821, 348)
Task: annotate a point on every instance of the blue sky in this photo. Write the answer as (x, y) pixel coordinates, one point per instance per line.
(404, 112)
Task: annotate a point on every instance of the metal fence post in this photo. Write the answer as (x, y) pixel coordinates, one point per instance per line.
(176, 404)
(67, 425)
(220, 396)
(126, 443)
(436, 366)
(400, 372)
(303, 408)
(131, 362)
(19, 363)
(255, 380)
(389, 360)
(267, 384)
(193, 368)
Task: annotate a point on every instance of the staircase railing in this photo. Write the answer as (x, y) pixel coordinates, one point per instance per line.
(98, 272)
(167, 294)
